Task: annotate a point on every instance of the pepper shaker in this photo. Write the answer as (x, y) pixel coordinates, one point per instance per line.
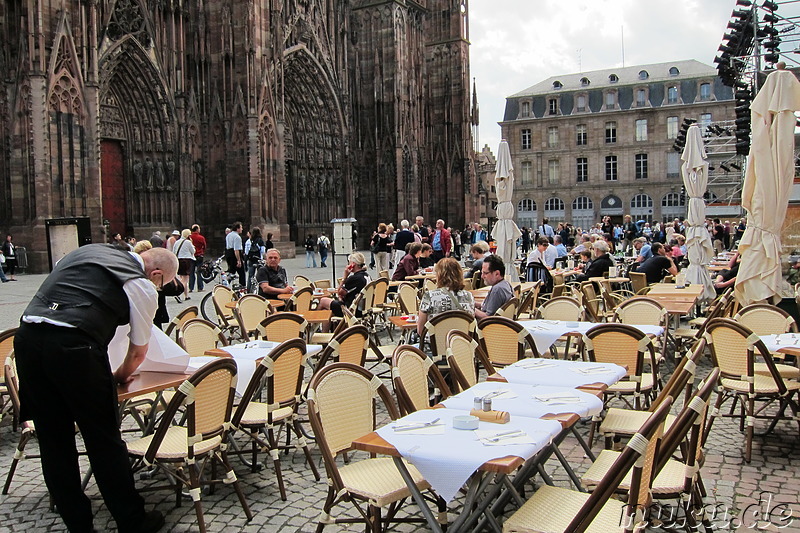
(487, 404)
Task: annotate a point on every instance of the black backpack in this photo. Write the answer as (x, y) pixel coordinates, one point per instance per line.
(255, 249)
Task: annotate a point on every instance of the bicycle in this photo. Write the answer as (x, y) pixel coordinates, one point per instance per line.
(229, 280)
(211, 269)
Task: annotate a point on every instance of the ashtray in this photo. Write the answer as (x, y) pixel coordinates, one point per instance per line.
(468, 422)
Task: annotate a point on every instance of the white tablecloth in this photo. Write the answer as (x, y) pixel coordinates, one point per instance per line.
(246, 356)
(449, 458)
(546, 332)
(560, 373)
(785, 340)
(533, 401)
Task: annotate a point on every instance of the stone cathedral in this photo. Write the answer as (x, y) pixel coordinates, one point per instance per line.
(283, 114)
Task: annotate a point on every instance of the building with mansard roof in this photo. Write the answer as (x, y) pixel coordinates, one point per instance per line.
(598, 143)
(155, 114)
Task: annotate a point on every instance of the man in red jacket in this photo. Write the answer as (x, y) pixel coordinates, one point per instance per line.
(440, 241)
(199, 243)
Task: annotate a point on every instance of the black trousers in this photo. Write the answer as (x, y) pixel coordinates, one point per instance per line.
(65, 379)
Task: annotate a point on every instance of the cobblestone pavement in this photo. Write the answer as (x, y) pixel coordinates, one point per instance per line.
(740, 492)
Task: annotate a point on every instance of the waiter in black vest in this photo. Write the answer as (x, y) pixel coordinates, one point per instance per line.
(66, 379)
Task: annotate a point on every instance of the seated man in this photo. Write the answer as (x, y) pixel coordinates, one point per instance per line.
(655, 267)
(544, 253)
(479, 251)
(493, 272)
(644, 249)
(584, 244)
(561, 250)
(599, 265)
(272, 278)
(354, 279)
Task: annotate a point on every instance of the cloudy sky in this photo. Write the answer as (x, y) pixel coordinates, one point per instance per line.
(517, 43)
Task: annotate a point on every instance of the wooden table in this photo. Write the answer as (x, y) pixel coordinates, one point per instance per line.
(147, 382)
(618, 279)
(694, 291)
(406, 327)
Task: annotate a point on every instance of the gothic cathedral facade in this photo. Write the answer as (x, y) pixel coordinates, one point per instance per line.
(151, 115)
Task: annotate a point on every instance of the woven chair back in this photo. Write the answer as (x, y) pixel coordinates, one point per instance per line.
(682, 377)
(322, 284)
(12, 383)
(383, 274)
(430, 284)
(638, 281)
(407, 296)
(411, 371)
(529, 300)
(281, 327)
(561, 308)
(765, 319)
(301, 300)
(619, 344)
(6, 344)
(341, 406)
(196, 336)
(301, 282)
(381, 289)
(591, 301)
(440, 325)
(221, 295)
(509, 309)
(251, 309)
(461, 358)
(729, 348)
(641, 310)
(176, 322)
(348, 346)
(503, 340)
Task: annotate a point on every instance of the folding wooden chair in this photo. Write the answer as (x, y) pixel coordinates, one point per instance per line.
(182, 452)
(281, 327)
(505, 341)
(411, 371)
(342, 407)
(250, 310)
(179, 319)
(197, 336)
(553, 509)
(280, 375)
(464, 356)
(734, 349)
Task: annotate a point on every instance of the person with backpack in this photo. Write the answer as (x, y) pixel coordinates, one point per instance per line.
(323, 243)
(255, 249)
(311, 254)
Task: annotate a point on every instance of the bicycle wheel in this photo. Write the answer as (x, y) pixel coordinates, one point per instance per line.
(207, 271)
(207, 308)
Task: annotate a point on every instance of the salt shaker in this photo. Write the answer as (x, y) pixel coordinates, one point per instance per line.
(477, 403)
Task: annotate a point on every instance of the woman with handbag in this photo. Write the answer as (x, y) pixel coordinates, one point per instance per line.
(184, 249)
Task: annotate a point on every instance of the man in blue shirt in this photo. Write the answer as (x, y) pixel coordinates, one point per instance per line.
(561, 250)
(641, 246)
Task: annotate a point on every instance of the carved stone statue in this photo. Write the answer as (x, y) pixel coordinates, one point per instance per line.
(198, 176)
(160, 180)
(170, 168)
(137, 175)
(148, 173)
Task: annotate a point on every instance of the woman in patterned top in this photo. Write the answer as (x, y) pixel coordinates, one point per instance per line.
(448, 295)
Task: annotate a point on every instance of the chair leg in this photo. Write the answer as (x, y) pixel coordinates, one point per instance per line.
(713, 415)
(229, 473)
(195, 492)
(326, 509)
(375, 519)
(750, 423)
(276, 461)
(18, 455)
(306, 451)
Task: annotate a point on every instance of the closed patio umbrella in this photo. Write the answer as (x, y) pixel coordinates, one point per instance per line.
(767, 184)
(505, 230)
(695, 181)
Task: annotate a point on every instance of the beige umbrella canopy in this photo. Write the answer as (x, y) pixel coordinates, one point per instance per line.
(767, 184)
(505, 231)
(695, 180)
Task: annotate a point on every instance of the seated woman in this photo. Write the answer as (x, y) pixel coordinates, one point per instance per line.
(409, 264)
(354, 279)
(448, 295)
(726, 278)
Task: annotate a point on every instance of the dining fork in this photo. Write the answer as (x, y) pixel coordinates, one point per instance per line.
(505, 435)
(415, 425)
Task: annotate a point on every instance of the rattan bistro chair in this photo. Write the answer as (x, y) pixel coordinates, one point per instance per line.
(281, 374)
(620, 422)
(411, 371)
(734, 349)
(568, 309)
(505, 341)
(281, 327)
(342, 407)
(6, 348)
(464, 356)
(197, 336)
(182, 452)
(348, 346)
(644, 311)
(301, 300)
(508, 309)
(765, 319)
(628, 347)
(673, 479)
(179, 319)
(221, 295)
(437, 328)
(552, 509)
(250, 310)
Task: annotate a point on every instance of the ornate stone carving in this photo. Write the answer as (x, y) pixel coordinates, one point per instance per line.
(148, 173)
(127, 19)
(137, 175)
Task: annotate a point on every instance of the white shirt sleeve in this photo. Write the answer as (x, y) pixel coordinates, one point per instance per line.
(143, 301)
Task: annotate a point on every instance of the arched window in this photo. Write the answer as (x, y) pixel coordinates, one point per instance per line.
(585, 82)
(673, 71)
(672, 199)
(641, 201)
(643, 75)
(526, 204)
(613, 78)
(557, 84)
(554, 204)
(582, 203)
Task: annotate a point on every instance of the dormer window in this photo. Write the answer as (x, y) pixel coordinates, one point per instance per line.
(643, 75)
(557, 84)
(673, 71)
(585, 82)
(613, 78)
